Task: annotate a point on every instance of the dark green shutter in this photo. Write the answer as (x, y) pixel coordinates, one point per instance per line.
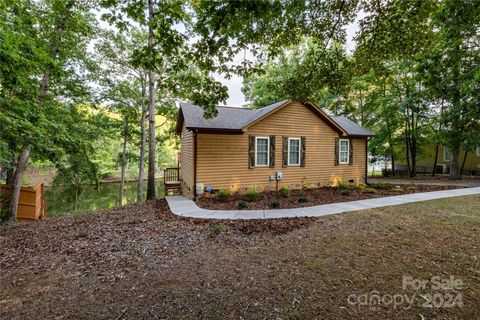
(350, 159)
(337, 141)
(284, 151)
(251, 152)
(303, 151)
(272, 152)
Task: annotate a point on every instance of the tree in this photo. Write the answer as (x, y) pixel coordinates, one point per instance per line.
(451, 72)
(44, 44)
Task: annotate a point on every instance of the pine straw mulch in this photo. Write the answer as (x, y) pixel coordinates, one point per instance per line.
(141, 262)
(315, 196)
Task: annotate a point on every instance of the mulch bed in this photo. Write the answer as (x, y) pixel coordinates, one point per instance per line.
(315, 196)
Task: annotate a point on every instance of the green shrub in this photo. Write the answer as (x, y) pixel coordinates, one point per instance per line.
(369, 190)
(275, 203)
(345, 192)
(224, 194)
(242, 204)
(302, 198)
(285, 192)
(342, 185)
(252, 194)
(360, 187)
(381, 185)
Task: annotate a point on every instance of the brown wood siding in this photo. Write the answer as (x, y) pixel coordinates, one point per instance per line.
(222, 160)
(186, 162)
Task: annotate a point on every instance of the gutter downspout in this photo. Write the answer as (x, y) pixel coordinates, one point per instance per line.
(366, 160)
(195, 133)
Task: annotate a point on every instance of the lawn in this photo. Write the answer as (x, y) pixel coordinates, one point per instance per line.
(142, 262)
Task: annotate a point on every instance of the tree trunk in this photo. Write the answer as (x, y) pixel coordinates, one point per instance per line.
(463, 163)
(17, 184)
(141, 165)
(436, 160)
(151, 114)
(75, 199)
(124, 162)
(392, 156)
(454, 172)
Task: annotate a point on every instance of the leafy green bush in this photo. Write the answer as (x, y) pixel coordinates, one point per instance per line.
(285, 192)
(275, 203)
(369, 190)
(223, 195)
(360, 187)
(242, 204)
(342, 185)
(252, 194)
(381, 185)
(302, 198)
(345, 192)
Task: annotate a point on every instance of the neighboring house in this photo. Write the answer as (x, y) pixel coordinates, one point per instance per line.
(426, 161)
(242, 148)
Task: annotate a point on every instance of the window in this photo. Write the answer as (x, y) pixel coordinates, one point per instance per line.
(478, 151)
(293, 151)
(261, 151)
(344, 151)
(447, 155)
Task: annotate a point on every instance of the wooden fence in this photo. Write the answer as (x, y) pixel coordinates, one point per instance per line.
(31, 204)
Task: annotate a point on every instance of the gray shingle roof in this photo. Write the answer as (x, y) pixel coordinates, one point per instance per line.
(351, 127)
(231, 118)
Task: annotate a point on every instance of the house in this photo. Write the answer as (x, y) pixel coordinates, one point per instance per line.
(296, 143)
(426, 161)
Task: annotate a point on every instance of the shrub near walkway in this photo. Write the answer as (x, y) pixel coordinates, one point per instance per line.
(142, 262)
(287, 198)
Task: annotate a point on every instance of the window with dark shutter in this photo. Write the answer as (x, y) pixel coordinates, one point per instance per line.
(251, 152)
(350, 159)
(303, 144)
(284, 151)
(272, 151)
(337, 142)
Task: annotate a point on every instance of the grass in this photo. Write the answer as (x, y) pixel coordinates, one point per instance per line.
(169, 267)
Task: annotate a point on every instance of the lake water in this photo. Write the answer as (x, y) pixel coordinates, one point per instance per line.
(59, 202)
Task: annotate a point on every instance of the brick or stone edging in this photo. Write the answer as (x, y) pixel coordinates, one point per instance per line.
(184, 207)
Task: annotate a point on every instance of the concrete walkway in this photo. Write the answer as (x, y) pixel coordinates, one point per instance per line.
(184, 207)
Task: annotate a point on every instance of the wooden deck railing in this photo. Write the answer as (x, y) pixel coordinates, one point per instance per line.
(171, 180)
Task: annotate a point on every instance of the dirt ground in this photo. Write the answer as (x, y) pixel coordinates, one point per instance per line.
(141, 262)
(314, 196)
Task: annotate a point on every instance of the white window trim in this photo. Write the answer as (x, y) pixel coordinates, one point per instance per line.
(268, 152)
(340, 151)
(478, 151)
(445, 153)
(299, 152)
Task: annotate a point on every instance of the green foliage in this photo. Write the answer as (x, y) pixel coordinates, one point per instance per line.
(345, 192)
(342, 184)
(360, 187)
(370, 190)
(252, 194)
(302, 198)
(381, 185)
(242, 204)
(285, 192)
(274, 203)
(223, 195)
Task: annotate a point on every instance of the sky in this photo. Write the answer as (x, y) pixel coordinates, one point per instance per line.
(235, 83)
